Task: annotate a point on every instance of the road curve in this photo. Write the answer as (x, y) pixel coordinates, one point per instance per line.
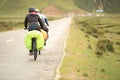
(16, 64)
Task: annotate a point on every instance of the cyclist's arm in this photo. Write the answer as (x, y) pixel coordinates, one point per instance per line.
(41, 23)
(46, 21)
(25, 22)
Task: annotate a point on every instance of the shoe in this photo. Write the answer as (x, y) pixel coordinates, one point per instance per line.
(45, 43)
(30, 53)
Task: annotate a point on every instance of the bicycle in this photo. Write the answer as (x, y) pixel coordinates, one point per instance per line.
(34, 48)
(34, 41)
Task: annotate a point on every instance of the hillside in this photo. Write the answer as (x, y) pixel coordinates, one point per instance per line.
(47, 6)
(19, 7)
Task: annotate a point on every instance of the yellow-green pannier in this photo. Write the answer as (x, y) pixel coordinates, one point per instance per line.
(34, 34)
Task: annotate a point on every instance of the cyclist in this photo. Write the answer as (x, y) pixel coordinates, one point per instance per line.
(42, 16)
(31, 22)
(44, 19)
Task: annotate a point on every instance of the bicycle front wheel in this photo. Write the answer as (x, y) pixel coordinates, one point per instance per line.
(34, 48)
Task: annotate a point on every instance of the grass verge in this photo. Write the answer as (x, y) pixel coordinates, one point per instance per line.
(12, 23)
(81, 61)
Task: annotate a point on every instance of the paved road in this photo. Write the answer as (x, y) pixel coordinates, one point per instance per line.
(16, 64)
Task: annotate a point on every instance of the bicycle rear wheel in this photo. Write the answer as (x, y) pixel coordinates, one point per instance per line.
(35, 54)
(39, 52)
(34, 49)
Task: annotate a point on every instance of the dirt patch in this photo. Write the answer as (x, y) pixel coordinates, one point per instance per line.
(51, 10)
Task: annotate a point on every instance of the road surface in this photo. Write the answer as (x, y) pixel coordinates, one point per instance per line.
(16, 64)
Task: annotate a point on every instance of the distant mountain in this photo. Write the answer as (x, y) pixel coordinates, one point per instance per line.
(19, 7)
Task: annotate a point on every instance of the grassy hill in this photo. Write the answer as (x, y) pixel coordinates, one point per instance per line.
(19, 7)
(12, 8)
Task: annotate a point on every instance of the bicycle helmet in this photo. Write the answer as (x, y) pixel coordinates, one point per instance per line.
(31, 9)
(37, 10)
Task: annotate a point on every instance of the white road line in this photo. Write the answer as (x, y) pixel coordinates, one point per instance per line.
(10, 40)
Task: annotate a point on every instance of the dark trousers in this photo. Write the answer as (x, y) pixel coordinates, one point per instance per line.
(45, 29)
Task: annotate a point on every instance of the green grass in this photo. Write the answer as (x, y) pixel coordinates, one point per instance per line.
(12, 23)
(12, 14)
(13, 9)
(81, 61)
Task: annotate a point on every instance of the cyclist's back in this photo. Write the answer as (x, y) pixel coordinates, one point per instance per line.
(32, 20)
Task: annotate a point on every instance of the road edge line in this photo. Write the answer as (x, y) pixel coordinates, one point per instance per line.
(58, 75)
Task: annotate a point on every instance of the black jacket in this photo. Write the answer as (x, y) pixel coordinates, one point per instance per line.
(33, 18)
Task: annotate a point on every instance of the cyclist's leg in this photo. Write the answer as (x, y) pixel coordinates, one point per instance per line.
(46, 30)
(30, 52)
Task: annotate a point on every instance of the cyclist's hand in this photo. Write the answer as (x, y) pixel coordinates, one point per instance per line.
(25, 28)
